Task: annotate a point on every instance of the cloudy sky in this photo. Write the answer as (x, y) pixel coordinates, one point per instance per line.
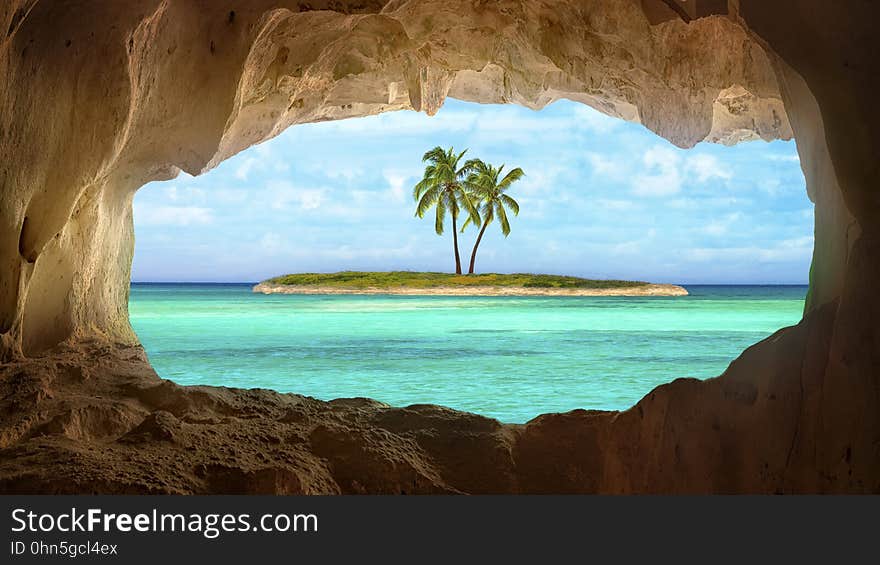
(601, 198)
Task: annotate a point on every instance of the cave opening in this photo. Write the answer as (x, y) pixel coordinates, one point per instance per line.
(601, 199)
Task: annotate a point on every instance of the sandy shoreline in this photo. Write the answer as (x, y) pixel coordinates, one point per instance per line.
(646, 290)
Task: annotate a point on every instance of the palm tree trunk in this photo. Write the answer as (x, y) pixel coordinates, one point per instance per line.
(455, 242)
(476, 244)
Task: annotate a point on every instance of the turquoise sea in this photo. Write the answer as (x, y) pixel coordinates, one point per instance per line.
(509, 358)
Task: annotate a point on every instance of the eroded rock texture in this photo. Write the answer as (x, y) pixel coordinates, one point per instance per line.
(102, 97)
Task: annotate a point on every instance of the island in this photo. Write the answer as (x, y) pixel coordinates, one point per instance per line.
(445, 284)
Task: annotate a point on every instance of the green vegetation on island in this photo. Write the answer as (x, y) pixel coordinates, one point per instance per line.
(410, 279)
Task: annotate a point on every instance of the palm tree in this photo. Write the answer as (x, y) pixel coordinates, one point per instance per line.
(483, 185)
(442, 188)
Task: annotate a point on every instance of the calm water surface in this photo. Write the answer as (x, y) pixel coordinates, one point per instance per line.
(510, 358)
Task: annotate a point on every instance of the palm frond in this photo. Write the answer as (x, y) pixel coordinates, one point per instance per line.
(428, 199)
(445, 172)
(510, 203)
(438, 219)
(457, 158)
(510, 178)
(473, 186)
(502, 217)
(471, 208)
(471, 166)
(434, 155)
(466, 223)
(422, 186)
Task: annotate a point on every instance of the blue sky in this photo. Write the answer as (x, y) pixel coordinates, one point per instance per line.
(601, 198)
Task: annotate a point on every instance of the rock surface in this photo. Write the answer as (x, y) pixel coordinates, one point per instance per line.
(100, 98)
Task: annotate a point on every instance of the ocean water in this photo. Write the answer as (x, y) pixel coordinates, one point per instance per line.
(509, 358)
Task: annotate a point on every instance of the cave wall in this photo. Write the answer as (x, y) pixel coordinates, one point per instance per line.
(102, 97)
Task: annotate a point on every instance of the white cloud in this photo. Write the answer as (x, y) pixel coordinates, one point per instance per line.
(615, 205)
(665, 170)
(261, 157)
(771, 186)
(722, 225)
(148, 215)
(264, 149)
(284, 193)
(243, 170)
(792, 158)
(542, 179)
(795, 249)
(351, 213)
(605, 165)
(661, 176)
(798, 242)
(626, 248)
(593, 120)
(715, 228)
(396, 181)
(333, 171)
(706, 167)
(532, 208)
(342, 252)
(310, 199)
(708, 203)
(230, 195)
(177, 193)
(271, 243)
